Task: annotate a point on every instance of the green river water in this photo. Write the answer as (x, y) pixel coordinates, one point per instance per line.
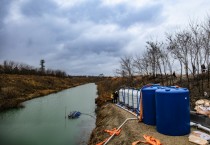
(43, 122)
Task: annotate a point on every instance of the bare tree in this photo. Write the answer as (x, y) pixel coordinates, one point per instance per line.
(190, 47)
(166, 63)
(178, 46)
(169, 62)
(141, 63)
(154, 50)
(137, 64)
(206, 44)
(126, 67)
(197, 52)
(146, 68)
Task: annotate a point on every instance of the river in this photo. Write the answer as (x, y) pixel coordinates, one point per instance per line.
(42, 121)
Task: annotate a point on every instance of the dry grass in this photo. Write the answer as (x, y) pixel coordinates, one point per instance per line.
(9, 92)
(15, 89)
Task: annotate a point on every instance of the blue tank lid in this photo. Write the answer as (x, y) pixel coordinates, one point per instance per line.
(172, 90)
(152, 88)
(162, 87)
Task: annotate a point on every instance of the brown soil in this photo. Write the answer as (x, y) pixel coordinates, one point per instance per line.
(110, 116)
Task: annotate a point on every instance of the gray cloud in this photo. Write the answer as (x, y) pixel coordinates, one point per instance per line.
(119, 14)
(150, 14)
(4, 5)
(37, 8)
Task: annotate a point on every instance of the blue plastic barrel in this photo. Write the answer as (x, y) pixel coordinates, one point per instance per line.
(148, 101)
(173, 111)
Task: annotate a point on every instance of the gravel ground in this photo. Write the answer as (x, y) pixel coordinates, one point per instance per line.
(110, 116)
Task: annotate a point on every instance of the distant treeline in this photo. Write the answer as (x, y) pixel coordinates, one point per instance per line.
(11, 67)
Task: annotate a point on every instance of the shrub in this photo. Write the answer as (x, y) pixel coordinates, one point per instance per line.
(9, 92)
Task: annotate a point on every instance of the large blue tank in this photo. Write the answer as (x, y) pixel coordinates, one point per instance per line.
(173, 111)
(148, 101)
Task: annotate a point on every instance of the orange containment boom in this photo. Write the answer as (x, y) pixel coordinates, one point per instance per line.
(111, 132)
(101, 143)
(149, 140)
(141, 103)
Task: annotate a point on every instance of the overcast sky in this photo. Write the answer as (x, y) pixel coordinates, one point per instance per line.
(88, 37)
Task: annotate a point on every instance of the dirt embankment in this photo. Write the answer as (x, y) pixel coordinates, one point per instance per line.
(110, 116)
(15, 89)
